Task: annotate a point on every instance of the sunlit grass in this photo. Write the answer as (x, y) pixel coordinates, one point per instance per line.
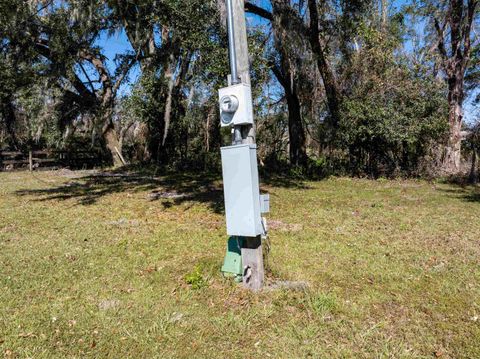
(129, 267)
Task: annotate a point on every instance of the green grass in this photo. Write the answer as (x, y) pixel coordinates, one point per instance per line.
(100, 267)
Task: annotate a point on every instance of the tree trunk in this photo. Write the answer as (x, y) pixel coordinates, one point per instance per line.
(453, 153)
(113, 144)
(296, 131)
(8, 114)
(384, 13)
(169, 75)
(474, 169)
(459, 20)
(329, 81)
(109, 134)
(298, 148)
(284, 72)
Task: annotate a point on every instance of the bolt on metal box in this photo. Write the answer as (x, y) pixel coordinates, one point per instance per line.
(241, 189)
(236, 105)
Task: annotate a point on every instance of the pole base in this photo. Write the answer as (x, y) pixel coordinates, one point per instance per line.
(232, 264)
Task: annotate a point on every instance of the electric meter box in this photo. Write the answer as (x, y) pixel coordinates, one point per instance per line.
(242, 192)
(236, 106)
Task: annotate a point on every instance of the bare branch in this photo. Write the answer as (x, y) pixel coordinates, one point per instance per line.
(257, 10)
(441, 40)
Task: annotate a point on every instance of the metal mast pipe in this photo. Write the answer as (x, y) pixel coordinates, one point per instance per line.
(231, 43)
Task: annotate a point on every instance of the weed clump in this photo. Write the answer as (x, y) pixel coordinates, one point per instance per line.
(195, 278)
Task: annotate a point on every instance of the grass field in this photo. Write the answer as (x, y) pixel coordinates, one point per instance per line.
(96, 266)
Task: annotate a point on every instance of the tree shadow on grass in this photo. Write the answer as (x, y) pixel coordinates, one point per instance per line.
(466, 193)
(284, 182)
(171, 189)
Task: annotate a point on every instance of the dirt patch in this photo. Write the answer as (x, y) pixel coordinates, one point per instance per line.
(67, 173)
(123, 222)
(287, 285)
(166, 195)
(108, 304)
(277, 225)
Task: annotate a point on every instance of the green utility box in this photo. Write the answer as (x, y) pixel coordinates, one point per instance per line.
(232, 265)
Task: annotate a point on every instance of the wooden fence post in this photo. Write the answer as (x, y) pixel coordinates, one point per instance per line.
(30, 160)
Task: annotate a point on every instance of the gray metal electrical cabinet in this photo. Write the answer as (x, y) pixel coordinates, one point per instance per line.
(242, 192)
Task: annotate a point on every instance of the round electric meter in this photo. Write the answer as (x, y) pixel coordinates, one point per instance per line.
(229, 104)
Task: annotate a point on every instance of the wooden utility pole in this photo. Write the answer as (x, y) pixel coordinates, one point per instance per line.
(241, 44)
(252, 252)
(243, 59)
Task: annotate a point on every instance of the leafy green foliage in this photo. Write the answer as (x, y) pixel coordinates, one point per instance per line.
(393, 114)
(58, 89)
(195, 278)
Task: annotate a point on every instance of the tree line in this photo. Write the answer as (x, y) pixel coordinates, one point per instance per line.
(360, 87)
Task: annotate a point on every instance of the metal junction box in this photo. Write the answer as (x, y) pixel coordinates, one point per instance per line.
(236, 105)
(242, 192)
